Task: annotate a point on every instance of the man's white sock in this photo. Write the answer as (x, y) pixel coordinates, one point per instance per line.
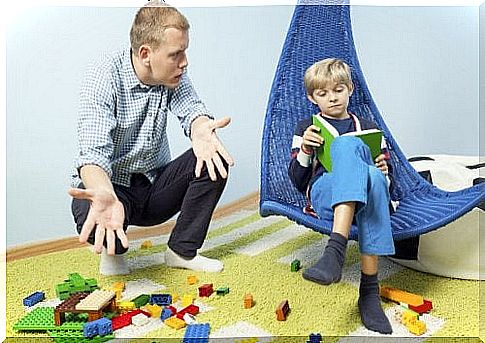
(113, 264)
(197, 263)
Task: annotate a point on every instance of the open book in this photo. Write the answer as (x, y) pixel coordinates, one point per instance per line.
(371, 137)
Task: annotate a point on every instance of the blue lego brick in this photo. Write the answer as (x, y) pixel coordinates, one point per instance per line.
(100, 327)
(104, 326)
(90, 329)
(166, 313)
(197, 333)
(161, 299)
(315, 338)
(34, 298)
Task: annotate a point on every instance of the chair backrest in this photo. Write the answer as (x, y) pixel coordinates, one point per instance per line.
(317, 32)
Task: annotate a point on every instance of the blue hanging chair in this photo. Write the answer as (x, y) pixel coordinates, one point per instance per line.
(322, 31)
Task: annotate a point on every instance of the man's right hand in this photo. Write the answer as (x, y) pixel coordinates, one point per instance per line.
(106, 216)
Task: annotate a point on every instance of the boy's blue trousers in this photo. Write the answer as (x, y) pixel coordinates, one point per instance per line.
(355, 178)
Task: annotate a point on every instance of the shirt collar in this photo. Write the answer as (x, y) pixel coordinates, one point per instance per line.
(129, 72)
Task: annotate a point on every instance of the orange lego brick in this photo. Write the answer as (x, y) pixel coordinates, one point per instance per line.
(398, 295)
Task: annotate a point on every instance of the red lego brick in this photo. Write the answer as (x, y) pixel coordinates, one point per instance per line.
(206, 290)
(191, 309)
(121, 321)
(424, 308)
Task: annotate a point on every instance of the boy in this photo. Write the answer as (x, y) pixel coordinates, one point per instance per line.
(356, 189)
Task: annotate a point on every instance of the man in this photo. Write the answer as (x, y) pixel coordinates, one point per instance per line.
(125, 175)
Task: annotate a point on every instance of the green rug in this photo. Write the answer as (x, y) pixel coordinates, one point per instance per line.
(257, 254)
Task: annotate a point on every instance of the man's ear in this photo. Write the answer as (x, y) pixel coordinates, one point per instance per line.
(144, 53)
(310, 97)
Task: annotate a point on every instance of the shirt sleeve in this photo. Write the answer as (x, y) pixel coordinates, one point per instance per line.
(300, 168)
(96, 120)
(187, 105)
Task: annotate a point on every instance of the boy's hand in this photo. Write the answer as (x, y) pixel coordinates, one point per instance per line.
(382, 164)
(311, 138)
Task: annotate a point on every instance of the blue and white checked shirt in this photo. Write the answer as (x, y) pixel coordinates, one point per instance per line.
(122, 122)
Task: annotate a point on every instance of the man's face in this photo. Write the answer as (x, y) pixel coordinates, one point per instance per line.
(169, 61)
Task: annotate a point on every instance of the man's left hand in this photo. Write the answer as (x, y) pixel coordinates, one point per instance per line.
(208, 148)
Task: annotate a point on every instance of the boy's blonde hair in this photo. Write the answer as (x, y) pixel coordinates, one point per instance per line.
(325, 72)
(151, 21)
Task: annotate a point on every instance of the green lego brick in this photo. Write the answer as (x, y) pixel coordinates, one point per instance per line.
(141, 300)
(76, 336)
(75, 283)
(42, 319)
(39, 319)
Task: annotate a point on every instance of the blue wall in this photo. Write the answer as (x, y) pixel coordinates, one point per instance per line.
(421, 64)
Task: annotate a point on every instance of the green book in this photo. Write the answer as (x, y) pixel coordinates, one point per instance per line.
(371, 137)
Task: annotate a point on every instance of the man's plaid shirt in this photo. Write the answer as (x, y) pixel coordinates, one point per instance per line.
(122, 122)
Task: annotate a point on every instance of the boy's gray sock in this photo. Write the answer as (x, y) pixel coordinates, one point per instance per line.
(328, 269)
(370, 308)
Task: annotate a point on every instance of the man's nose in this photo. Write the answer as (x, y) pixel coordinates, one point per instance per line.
(184, 62)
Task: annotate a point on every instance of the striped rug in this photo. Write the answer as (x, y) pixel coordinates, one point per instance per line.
(257, 254)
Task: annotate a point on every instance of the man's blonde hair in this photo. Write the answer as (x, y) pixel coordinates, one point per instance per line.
(325, 72)
(151, 21)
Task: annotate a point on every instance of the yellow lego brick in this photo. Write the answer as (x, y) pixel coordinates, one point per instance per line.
(119, 285)
(155, 310)
(187, 300)
(416, 327)
(191, 279)
(175, 322)
(146, 244)
(175, 297)
(125, 306)
(398, 295)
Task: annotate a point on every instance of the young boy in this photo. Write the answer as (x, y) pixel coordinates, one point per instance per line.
(355, 191)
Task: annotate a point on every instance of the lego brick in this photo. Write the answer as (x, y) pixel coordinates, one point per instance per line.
(175, 323)
(33, 298)
(315, 338)
(141, 300)
(96, 301)
(222, 291)
(197, 333)
(191, 309)
(191, 279)
(206, 290)
(161, 299)
(39, 319)
(295, 265)
(75, 283)
(398, 295)
(248, 301)
(155, 310)
(139, 320)
(146, 244)
(187, 299)
(166, 313)
(120, 321)
(424, 308)
(282, 310)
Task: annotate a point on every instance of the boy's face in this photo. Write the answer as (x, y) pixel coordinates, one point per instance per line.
(332, 100)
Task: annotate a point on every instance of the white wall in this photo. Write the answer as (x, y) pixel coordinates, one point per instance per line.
(421, 65)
